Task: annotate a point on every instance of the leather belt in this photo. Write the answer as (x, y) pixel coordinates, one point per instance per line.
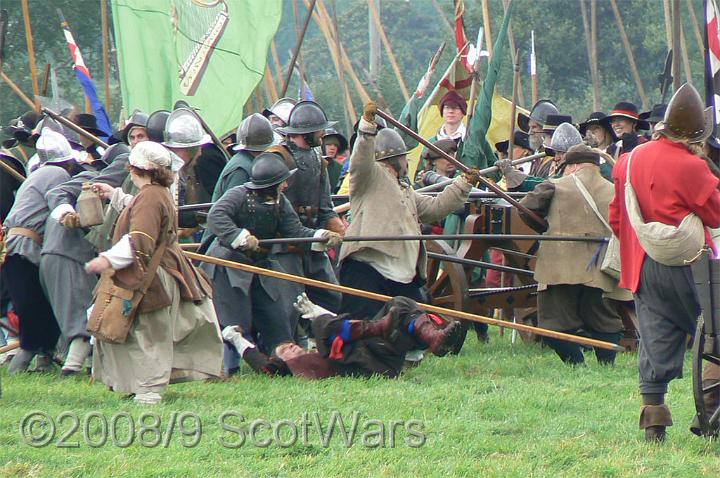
(24, 231)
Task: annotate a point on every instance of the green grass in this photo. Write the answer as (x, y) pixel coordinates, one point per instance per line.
(496, 410)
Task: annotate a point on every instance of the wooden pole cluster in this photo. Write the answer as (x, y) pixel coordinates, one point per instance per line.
(629, 53)
(384, 298)
(322, 19)
(348, 108)
(388, 49)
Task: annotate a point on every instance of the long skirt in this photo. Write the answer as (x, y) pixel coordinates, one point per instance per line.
(180, 342)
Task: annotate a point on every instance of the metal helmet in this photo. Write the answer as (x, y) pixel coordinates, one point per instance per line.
(255, 133)
(538, 113)
(156, 125)
(686, 118)
(268, 170)
(281, 108)
(565, 137)
(53, 148)
(137, 119)
(306, 117)
(388, 143)
(184, 130)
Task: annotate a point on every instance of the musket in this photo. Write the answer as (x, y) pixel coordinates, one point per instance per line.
(203, 206)
(434, 237)
(474, 263)
(489, 184)
(76, 128)
(384, 298)
(484, 171)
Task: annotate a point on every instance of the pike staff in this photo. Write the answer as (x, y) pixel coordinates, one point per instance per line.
(383, 298)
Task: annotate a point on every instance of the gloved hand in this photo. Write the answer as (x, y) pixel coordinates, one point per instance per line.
(504, 165)
(333, 239)
(369, 112)
(71, 220)
(472, 176)
(251, 244)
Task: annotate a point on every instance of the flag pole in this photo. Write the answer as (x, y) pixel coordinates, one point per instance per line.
(300, 37)
(514, 51)
(487, 26)
(31, 53)
(676, 33)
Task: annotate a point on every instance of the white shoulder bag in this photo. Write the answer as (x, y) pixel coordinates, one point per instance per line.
(668, 245)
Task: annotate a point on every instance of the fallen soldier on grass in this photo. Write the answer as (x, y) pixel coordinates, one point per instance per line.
(353, 347)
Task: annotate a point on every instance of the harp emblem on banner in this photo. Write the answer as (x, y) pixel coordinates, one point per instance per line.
(197, 28)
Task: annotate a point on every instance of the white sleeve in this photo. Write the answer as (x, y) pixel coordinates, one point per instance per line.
(241, 239)
(319, 246)
(119, 199)
(121, 254)
(61, 210)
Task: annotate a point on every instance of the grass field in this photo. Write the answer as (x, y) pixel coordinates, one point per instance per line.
(496, 410)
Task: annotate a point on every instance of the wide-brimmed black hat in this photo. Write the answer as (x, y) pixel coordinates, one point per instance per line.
(520, 138)
(655, 115)
(626, 109)
(88, 122)
(595, 120)
(333, 133)
(553, 121)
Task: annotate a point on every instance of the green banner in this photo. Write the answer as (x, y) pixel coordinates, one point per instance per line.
(211, 53)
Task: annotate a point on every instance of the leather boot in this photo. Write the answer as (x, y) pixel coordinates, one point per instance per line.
(654, 419)
(437, 334)
(387, 327)
(20, 362)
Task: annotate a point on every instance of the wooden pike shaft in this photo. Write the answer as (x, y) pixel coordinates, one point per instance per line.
(12, 172)
(489, 184)
(10, 347)
(76, 128)
(384, 298)
(288, 76)
(31, 50)
(16, 89)
(434, 237)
